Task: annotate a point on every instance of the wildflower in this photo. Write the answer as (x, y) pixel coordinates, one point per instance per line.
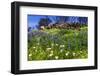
(34, 47)
(56, 44)
(62, 45)
(80, 51)
(56, 57)
(35, 50)
(30, 54)
(37, 43)
(52, 44)
(61, 50)
(67, 53)
(51, 54)
(82, 56)
(48, 48)
(74, 54)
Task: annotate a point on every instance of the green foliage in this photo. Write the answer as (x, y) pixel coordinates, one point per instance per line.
(58, 44)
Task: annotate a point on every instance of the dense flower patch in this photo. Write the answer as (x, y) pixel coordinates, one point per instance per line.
(55, 44)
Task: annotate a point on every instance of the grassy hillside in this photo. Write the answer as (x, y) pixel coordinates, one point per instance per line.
(51, 44)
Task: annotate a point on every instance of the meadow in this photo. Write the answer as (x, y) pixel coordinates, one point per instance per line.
(55, 44)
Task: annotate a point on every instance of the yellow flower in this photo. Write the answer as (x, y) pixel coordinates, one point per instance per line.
(74, 54)
(67, 54)
(61, 50)
(35, 50)
(34, 47)
(37, 43)
(56, 44)
(80, 51)
(51, 54)
(30, 54)
(62, 45)
(48, 49)
(52, 44)
(56, 57)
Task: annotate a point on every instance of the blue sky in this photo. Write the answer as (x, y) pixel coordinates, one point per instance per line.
(33, 20)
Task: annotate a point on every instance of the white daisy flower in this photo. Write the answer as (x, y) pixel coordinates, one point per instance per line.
(67, 53)
(74, 54)
(80, 51)
(56, 44)
(61, 50)
(37, 43)
(52, 44)
(62, 45)
(51, 54)
(48, 48)
(30, 54)
(34, 47)
(35, 50)
(56, 57)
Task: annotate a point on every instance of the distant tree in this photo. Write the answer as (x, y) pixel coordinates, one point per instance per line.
(45, 21)
(29, 29)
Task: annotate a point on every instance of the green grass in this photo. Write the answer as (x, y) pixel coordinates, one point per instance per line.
(58, 44)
